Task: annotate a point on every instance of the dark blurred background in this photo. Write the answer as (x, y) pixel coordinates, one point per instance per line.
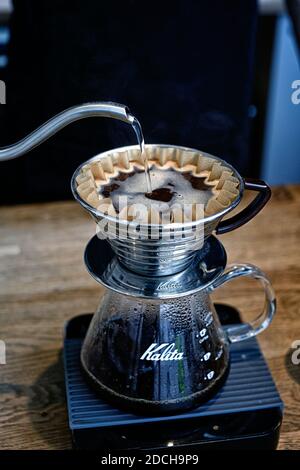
(214, 75)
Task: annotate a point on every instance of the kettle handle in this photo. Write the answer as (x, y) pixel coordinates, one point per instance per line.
(255, 206)
(241, 332)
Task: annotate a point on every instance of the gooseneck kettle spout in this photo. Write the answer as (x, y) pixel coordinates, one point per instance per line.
(61, 120)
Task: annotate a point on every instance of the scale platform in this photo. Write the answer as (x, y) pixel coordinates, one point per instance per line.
(246, 413)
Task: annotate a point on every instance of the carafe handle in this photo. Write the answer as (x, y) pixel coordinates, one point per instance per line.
(261, 322)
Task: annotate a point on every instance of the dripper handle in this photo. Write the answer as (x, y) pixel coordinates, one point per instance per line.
(61, 120)
(245, 331)
(255, 206)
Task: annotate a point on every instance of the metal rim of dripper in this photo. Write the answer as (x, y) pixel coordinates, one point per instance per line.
(103, 265)
(171, 226)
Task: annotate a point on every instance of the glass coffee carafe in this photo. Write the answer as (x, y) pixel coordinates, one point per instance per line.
(165, 354)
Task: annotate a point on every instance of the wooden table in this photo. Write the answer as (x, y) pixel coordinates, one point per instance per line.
(43, 283)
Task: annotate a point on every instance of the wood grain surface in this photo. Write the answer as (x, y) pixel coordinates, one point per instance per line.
(43, 283)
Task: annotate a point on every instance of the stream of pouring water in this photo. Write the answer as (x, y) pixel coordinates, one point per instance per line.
(140, 138)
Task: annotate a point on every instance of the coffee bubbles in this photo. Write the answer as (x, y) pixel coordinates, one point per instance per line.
(176, 195)
(168, 186)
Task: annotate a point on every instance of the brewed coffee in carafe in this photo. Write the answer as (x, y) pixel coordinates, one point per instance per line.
(155, 355)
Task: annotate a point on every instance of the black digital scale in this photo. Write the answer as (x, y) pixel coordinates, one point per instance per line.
(246, 413)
